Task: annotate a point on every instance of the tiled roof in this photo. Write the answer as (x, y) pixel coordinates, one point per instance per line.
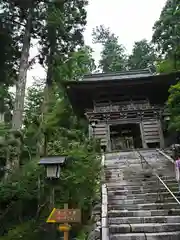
(52, 160)
(119, 75)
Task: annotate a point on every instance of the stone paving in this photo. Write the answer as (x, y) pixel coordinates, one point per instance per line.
(139, 206)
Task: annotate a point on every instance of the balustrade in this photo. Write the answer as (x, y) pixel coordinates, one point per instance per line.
(124, 107)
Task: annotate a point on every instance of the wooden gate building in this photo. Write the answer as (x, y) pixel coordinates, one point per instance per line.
(124, 110)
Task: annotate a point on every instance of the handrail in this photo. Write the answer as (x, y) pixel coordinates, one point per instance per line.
(153, 170)
(165, 155)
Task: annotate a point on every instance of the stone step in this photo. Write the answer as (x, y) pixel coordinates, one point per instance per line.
(150, 219)
(131, 164)
(136, 160)
(144, 227)
(140, 190)
(121, 160)
(154, 197)
(142, 178)
(135, 212)
(129, 169)
(147, 236)
(119, 180)
(154, 159)
(143, 206)
(139, 195)
(130, 161)
(134, 164)
(116, 200)
(143, 213)
(137, 165)
(147, 198)
(134, 156)
(121, 154)
(141, 185)
(163, 171)
(144, 185)
(143, 190)
(136, 183)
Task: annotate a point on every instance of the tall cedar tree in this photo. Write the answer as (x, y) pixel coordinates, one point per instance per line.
(113, 57)
(166, 36)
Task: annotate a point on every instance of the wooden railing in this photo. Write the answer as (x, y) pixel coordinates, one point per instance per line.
(120, 108)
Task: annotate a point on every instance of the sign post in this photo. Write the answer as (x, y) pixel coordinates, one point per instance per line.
(66, 233)
(64, 217)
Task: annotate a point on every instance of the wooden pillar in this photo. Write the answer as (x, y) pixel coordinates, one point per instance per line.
(90, 131)
(144, 145)
(161, 136)
(66, 233)
(2, 117)
(108, 138)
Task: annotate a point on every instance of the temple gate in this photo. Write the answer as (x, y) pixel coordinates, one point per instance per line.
(125, 110)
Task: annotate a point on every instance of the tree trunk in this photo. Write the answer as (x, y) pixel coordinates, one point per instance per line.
(12, 163)
(48, 91)
(21, 83)
(48, 95)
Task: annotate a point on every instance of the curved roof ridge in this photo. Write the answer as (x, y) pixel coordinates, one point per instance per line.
(122, 73)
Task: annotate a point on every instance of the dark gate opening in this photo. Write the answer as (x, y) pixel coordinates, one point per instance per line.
(153, 145)
(125, 136)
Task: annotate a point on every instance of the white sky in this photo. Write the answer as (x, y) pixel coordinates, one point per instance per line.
(131, 20)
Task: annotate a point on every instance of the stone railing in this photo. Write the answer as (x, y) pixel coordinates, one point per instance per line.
(104, 205)
(100, 230)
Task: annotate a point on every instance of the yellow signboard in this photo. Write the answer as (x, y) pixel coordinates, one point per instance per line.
(64, 216)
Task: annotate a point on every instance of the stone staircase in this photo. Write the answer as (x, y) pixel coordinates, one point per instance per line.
(139, 206)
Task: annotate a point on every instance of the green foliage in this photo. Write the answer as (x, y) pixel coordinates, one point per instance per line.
(21, 231)
(174, 106)
(79, 63)
(24, 193)
(3, 129)
(82, 236)
(65, 23)
(166, 36)
(9, 49)
(33, 105)
(80, 180)
(80, 177)
(23, 184)
(143, 56)
(167, 66)
(113, 57)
